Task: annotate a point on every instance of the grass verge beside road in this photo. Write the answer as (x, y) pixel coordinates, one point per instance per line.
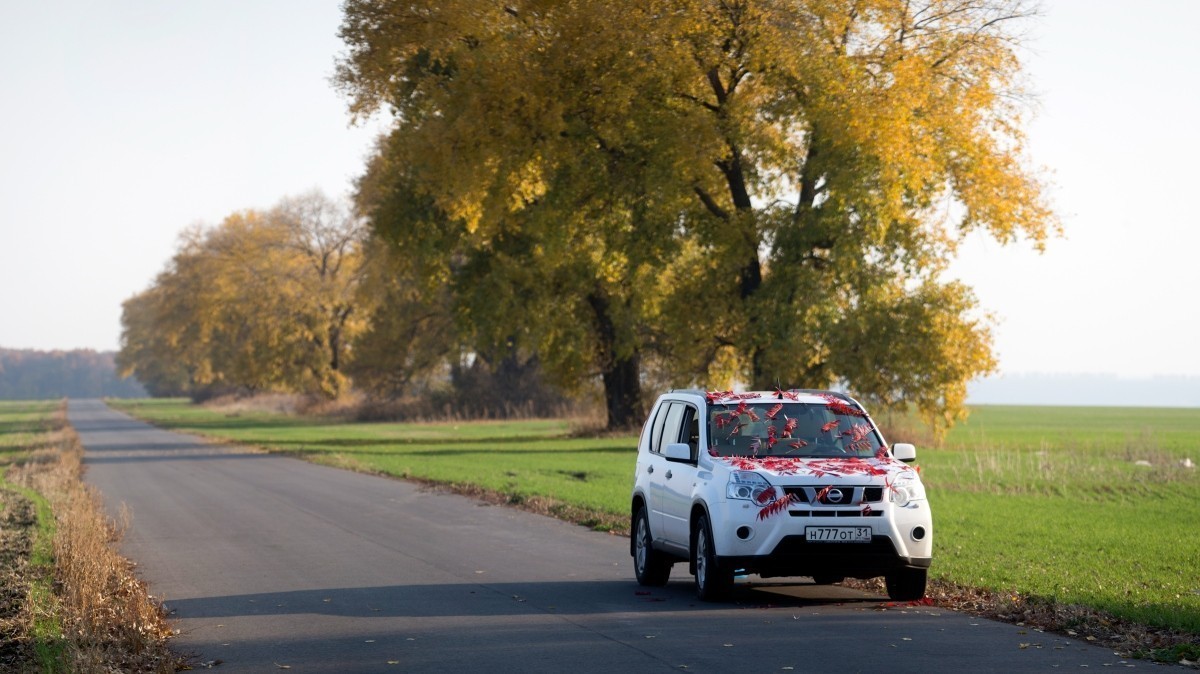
(70, 603)
(1039, 506)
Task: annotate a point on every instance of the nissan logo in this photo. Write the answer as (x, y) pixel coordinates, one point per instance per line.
(834, 496)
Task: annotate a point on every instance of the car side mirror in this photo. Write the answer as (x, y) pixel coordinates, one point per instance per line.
(677, 451)
(903, 451)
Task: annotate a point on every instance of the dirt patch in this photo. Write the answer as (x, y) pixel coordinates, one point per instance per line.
(17, 520)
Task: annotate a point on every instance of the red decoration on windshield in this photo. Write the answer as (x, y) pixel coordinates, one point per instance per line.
(841, 407)
(789, 426)
(858, 432)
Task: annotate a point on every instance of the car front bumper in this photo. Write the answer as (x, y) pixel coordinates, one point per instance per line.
(901, 537)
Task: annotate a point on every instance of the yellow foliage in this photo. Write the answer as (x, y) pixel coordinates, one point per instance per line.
(739, 186)
(264, 301)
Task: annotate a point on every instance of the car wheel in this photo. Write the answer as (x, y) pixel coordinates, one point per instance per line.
(712, 582)
(906, 584)
(649, 565)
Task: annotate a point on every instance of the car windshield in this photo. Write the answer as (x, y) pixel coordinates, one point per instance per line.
(793, 429)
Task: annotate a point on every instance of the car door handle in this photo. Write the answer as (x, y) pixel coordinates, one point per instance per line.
(668, 475)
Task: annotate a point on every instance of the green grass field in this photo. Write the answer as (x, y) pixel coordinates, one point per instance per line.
(1045, 502)
(22, 428)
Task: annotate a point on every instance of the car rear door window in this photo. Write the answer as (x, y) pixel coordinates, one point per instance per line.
(673, 424)
(656, 431)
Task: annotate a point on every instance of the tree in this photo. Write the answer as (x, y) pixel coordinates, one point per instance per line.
(147, 348)
(81, 373)
(551, 247)
(321, 284)
(801, 170)
(409, 335)
(263, 302)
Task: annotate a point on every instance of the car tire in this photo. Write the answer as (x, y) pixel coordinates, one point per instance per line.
(906, 584)
(651, 566)
(713, 583)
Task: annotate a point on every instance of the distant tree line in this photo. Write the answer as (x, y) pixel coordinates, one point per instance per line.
(36, 375)
(611, 197)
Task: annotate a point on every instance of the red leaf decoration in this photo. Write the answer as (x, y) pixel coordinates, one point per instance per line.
(775, 508)
(789, 426)
(841, 407)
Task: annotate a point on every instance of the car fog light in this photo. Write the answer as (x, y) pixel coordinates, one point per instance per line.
(744, 532)
(918, 533)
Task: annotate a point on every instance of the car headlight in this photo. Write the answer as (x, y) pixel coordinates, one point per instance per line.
(748, 486)
(906, 489)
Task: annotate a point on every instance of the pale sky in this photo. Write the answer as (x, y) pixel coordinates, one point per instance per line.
(124, 122)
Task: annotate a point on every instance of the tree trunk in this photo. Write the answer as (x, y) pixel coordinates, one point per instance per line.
(621, 373)
(623, 393)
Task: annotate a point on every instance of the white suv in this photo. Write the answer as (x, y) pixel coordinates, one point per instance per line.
(784, 483)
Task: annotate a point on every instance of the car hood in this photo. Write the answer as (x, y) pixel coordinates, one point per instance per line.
(779, 466)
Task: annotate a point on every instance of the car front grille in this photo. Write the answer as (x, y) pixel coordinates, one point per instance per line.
(835, 513)
(857, 495)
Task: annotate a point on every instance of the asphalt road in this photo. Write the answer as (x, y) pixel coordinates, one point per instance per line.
(269, 563)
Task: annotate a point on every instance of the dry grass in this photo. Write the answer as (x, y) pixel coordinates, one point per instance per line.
(108, 621)
(353, 407)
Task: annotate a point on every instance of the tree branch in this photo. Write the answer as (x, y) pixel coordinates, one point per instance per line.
(711, 204)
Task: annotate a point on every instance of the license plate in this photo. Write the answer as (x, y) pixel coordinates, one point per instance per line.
(837, 534)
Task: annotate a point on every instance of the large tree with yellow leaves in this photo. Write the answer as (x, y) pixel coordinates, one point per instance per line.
(762, 191)
(265, 301)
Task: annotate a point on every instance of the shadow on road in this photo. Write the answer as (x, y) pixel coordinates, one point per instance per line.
(466, 599)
